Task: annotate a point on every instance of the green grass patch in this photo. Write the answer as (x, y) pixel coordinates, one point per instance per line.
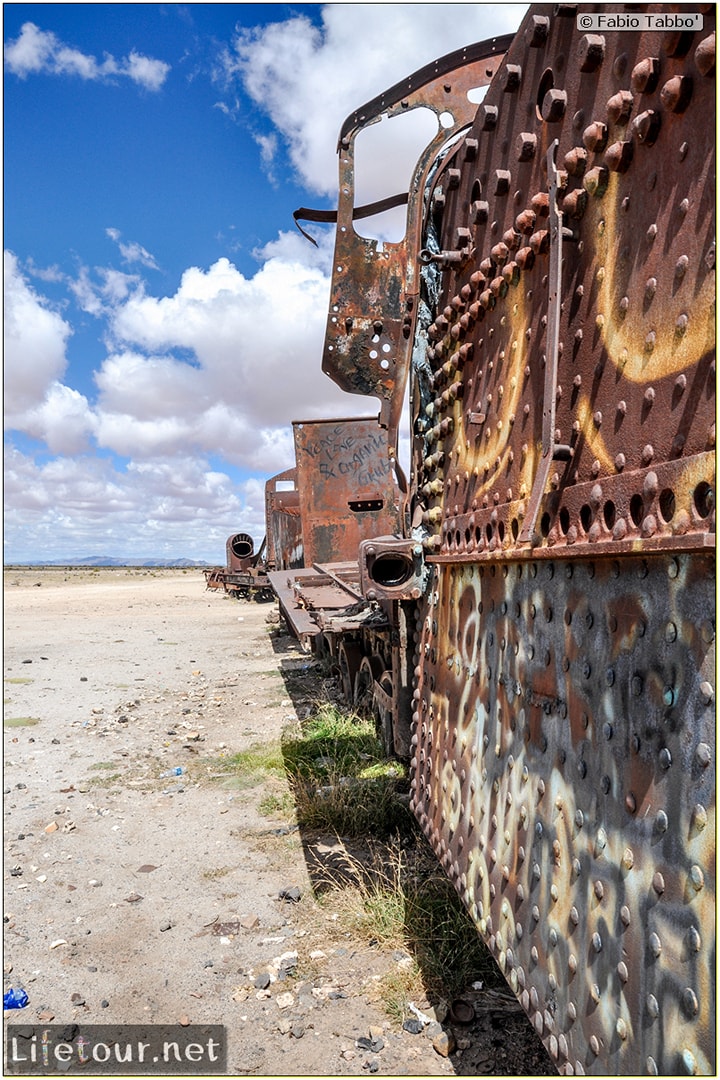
(281, 806)
(21, 721)
(341, 779)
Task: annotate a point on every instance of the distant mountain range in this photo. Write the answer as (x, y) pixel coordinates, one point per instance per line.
(107, 560)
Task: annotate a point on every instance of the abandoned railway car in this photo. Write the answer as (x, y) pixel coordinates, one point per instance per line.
(531, 613)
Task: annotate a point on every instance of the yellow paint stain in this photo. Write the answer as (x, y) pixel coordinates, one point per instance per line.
(625, 339)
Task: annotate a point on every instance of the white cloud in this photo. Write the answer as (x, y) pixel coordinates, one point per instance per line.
(132, 252)
(73, 507)
(288, 68)
(37, 51)
(35, 342)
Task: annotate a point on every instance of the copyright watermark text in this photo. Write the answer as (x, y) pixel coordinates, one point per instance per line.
(115, 1050)
(655, 20)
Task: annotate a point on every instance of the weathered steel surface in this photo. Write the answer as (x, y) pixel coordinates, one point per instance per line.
(240, 552)
(375, 286)
(283, 526)
(564, 746)
(564, 774)
(634, 402)
(347, 487)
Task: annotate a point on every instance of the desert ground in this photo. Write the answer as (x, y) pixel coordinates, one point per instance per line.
(135, 894)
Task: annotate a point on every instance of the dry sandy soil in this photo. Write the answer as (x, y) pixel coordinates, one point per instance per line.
(133, 897)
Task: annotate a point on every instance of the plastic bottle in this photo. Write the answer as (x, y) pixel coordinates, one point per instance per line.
(177, 771)
(15, 999)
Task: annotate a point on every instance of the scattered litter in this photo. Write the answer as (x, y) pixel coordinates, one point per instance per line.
(56, 944)
(146, 868)
(292, 894)
(177, 771)
(15, 999)
(422, 1017)
(478, 985)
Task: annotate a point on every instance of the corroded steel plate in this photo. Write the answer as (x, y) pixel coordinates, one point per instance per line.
(563, 489)
(564, 774)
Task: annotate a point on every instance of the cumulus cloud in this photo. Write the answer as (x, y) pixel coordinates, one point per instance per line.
(77, 506)
(287, 68)
(35, 342)
(37, 51)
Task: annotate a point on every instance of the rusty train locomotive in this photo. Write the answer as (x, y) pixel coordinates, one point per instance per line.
(531, 615)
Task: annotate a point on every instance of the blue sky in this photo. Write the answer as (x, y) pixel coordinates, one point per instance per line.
(163, 317)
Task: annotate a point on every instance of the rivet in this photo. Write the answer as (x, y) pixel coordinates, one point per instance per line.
(599, 890)
(630, 803)
(595, 137)
(594, 1045)
(694, 939)
(648, 453)
(619, 107)
(658, 883)
(705, 55)
(697, 878)
(646, 127)
(690, 1002)
(653, 1007)
(595, 992)
(654, 943)
(645, 75)
(621, 1029)
(665, 758)
(661, 821)
(703, 754)
(676, 93)
(619, 156)
(625, 915)
(628, 859)
(596, 181)
(650, 288)
(689, 1062)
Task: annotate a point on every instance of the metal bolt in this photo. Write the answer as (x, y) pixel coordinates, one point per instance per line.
(512, 78)
(502, 182)
(591, 52)
(537, 31)
(553, 106)
(654, 943)
(525, 146)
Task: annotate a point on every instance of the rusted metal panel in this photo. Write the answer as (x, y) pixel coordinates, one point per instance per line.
(373, 303)
(563, 489)
(564, 774)
(347, 487)
(283, 525)
(634, 398)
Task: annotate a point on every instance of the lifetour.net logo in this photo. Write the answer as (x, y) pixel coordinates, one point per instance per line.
(115, 1050)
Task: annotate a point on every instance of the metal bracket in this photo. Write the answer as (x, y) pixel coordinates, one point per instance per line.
(551, 358)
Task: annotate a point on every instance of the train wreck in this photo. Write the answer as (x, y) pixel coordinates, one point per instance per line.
(530, 615)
